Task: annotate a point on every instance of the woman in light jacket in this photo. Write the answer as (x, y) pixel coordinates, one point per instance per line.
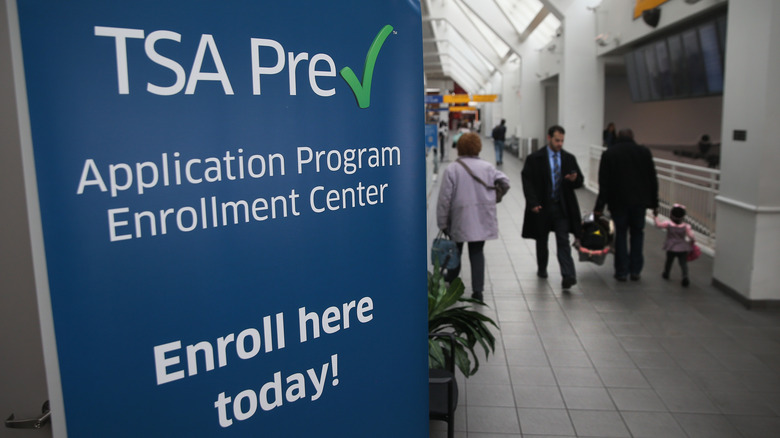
(466, 210)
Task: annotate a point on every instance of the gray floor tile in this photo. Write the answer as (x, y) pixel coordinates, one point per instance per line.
(546, 436)
(527, 357)
(652, 359)
(669, 379)
(706, 426)
(568, 358)
(689, 401)
(523, 342)
(493, 435)
(492, 419)
(519, 328)
(710, 381)
(756, 427)
(698, 360)
(587, 398)
(545, 422)
(623, 378)
(599, 424)
(577, 376)
(538, 397)
(489, 395)
(532, 376)
(773, 400)
(628, 329)
(640, 343)
(610, 358)
(601, 343)
(653, 425)
(635, 399)
(740, 362)
(742, 403)
(491, 375)
(513, 315)
(760, 381)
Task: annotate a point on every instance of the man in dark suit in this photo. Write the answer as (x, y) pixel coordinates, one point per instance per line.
(628, 185)
(550, 176)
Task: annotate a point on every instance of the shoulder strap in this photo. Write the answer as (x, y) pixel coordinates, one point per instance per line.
(474, 176)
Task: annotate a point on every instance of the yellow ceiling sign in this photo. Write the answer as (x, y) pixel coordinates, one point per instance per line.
(456, 98)
(643, 5)
(462, 108)
(484, 97)
(466, 98)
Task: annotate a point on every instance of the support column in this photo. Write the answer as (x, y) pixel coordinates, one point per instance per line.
(531, 97)
(748, 211)
(581, 84)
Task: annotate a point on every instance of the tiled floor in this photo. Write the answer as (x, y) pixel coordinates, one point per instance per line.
(609, 359)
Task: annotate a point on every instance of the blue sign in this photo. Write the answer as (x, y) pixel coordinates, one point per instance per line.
(232, 217)
(434, 98)
(431, 135)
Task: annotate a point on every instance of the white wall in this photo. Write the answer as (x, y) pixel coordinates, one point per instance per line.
(749, 202)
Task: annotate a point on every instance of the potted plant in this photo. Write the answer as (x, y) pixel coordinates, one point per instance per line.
(449, 311)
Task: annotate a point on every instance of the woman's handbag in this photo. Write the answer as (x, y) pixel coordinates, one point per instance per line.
(500, 188)
(444, 252)
(694, 253)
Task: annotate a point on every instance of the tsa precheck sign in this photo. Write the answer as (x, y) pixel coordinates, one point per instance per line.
(233, 229)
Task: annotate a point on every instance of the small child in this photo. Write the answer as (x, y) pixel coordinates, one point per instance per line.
(676, 245)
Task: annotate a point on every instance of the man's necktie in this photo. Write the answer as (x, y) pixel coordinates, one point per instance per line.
(556, 177)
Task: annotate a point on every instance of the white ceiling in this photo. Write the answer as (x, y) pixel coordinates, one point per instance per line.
(469, 40)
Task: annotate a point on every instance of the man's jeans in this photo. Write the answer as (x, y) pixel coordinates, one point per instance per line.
(628, 252)
(499, 145)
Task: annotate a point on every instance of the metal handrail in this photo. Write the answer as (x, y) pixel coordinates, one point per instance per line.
(694, 186)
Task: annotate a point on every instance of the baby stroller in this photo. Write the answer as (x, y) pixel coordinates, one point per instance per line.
(596, 240)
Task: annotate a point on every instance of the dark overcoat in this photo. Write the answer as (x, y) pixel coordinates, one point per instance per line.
(537, 185)
(627, 178)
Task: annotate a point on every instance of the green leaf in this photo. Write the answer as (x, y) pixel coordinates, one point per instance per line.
(449, 311)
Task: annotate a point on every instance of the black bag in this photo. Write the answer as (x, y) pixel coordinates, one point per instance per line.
(594, 236)
(595, 242)
(500, 188)
(445, 252)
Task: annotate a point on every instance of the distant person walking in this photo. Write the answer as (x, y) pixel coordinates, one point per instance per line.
(628, 186)
(466, 210)
(550, 176)
(442, 136)
(499, 137)
(609, 136)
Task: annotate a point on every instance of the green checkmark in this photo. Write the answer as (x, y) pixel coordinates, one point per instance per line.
(362, 90)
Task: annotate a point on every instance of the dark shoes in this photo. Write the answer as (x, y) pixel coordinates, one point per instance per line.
(685, 281)
(541, 274)
(622, 278)
(568, 282)
(477, 296)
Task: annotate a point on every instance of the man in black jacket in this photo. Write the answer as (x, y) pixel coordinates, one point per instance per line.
(550, 176)
(499, 136)
(628, 185)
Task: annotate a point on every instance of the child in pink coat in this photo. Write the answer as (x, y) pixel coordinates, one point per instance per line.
(679, 241)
